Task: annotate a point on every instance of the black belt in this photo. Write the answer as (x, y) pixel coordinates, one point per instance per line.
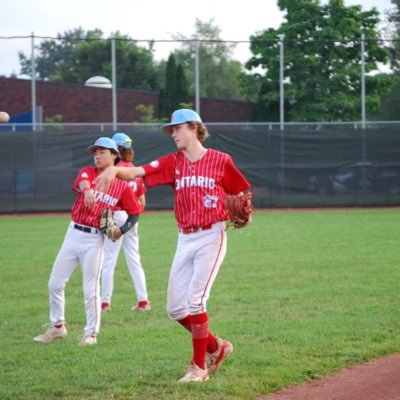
(86, 229)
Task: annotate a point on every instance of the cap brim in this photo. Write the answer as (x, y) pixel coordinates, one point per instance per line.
(91, 149)
(168, 128)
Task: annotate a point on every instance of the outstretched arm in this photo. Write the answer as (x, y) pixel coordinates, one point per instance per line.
(104, 180)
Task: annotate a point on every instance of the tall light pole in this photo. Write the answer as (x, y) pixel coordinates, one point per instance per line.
(114, 85)
(197, 78)
(33, 81)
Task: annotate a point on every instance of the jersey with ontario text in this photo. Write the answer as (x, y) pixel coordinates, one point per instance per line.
(118, 196)
(199, 186)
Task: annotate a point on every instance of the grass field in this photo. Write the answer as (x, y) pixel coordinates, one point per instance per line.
(300, 294)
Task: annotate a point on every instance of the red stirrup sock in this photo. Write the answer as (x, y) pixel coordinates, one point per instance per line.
(199, 339)
(186, 322)
(212, 344)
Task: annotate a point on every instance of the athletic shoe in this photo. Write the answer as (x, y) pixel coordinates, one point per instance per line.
(105, 307)
(142, 306)
(194, 374)
(51, 334)
(88, 340)
(214, 360)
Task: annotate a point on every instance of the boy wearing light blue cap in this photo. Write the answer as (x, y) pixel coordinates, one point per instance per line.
(129, 242)
(83, 243)
(201, 178)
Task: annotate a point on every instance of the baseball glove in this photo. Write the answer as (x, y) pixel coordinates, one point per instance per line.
(239, 209)
(107, 224)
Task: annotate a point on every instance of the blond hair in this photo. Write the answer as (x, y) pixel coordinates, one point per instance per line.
(202, 132)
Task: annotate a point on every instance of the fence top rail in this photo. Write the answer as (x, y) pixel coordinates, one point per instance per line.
(107, 126)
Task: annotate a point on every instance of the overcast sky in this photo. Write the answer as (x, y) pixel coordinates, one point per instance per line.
(157, 19)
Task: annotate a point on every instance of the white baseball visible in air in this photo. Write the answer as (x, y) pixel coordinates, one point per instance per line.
(4, 117)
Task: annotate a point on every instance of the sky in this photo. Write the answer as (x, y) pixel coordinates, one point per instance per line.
(140, 20)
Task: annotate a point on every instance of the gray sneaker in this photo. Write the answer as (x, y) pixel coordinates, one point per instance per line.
(51, 334)
(88, 341)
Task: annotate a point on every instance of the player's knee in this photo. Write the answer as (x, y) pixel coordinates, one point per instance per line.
(55, 286)
(176, 313)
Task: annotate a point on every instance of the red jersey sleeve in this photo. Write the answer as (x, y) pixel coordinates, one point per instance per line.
(85, 174)
(233, 180)
(160, 171)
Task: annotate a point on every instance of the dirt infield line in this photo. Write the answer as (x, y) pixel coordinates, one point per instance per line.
(375, 380)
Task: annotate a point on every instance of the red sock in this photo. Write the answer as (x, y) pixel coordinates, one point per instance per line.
(212, 344)
(199, 339)
(186, 322)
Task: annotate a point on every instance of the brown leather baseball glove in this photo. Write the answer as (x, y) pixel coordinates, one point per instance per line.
(107, 224)
(239, 209)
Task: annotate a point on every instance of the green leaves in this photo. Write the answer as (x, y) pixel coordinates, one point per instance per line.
(322, 61)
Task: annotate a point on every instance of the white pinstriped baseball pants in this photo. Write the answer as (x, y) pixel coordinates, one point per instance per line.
(130, 244)
(85, 249)
(195, 266)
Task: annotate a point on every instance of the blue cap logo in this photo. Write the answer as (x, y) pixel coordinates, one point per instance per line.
(180, 117)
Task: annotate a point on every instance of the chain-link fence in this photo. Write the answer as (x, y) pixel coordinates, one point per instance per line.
(304, 166)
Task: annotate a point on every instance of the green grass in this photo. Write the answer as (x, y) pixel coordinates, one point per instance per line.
(300, 294)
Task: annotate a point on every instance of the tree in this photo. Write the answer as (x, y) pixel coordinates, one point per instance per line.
(393, 17)
(219, 73)
(321, 62)
(77, 55)
(175, 89)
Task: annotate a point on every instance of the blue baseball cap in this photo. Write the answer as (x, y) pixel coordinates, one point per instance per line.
(104, 142)
(123, 140)
(180, 117)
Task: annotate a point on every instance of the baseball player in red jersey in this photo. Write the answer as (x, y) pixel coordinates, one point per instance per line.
(200, 178)
(129, 242)
(83, 243)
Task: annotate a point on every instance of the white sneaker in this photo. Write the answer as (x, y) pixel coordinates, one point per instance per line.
(214, 360)
(141, 306)
(194, 374)
(51, 334)
(88, 340)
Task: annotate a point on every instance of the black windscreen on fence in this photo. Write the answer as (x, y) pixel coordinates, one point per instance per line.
(291, 168)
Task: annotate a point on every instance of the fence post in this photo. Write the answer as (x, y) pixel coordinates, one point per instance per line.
(197, 77)
(363, 80)
(281, 87)
(33, 81)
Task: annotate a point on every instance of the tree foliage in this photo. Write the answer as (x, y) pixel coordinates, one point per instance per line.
(77, 55)
(322, 65)
(218, 72)
(175, 90)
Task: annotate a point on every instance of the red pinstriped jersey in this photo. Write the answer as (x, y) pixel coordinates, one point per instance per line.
(199, 186)
(119, 195)
(136, 185)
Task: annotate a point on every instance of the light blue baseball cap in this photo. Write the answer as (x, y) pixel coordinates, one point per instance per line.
(123, 140)
(104, 142)
(180, 117)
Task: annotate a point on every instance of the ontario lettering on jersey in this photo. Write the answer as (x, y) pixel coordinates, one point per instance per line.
(105, 198)
(192, 181)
